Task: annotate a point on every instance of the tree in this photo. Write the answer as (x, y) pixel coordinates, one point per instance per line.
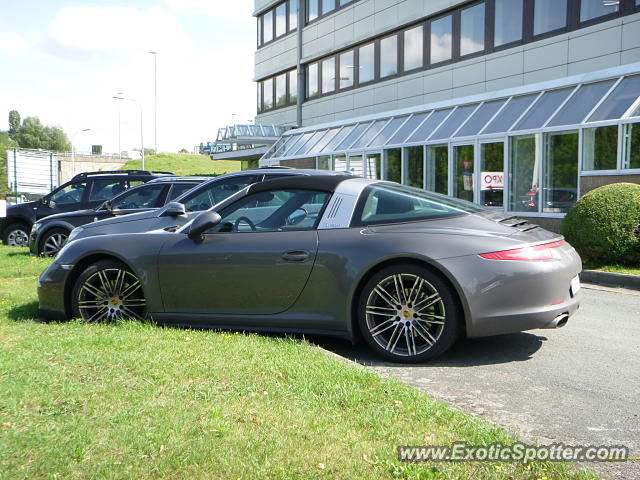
(14, 124)
(32, 134)
(183, 150)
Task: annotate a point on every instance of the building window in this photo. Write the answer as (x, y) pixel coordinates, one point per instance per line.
(472, 30)
(600, 148)
(590, 9)
(281, 90)
(366, 63)
(508, 22)
(415, 167)
(347, 69)
(389, 56)
(281, 19)
(413, 48)
(312, 80)
(438, 169)
(259, 85)
(328, 6)
(549, 15)
(492, 174)
(293, 86)
(329, 75)
(631, 149)
(312, 10)
(267, 92)
(373, 166)
(393, 167)
(293, 14)
(524, 164)
(277, 21)
(463, 173)
(267, 26)
(441, 39)
(324, 162)
(560, 190)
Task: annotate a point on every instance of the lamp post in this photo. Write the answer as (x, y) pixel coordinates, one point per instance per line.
(141, 123)
(73, 151)
(155, 100)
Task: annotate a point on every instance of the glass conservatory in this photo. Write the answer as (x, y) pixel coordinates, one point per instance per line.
(525, 150)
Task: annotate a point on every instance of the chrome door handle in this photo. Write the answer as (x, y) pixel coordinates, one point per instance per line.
(295, 256)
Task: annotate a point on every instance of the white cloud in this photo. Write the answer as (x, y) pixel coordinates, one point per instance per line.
(212, 8)
(12, 44)
(88, 29)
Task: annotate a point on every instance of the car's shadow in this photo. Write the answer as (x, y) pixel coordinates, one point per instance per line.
(515, 347)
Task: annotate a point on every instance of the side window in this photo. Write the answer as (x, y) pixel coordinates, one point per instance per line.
(215, 192)
(72, 193)
(178, 189)
(274, 211)
(141, 197)
(107, 188)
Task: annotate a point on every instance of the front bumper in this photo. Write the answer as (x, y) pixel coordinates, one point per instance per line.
(51, 293)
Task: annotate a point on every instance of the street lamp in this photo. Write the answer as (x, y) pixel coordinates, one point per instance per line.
(73, 151)
(141, 123)
(155, 100)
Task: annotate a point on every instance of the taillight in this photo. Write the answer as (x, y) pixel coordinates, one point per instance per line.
(526, 254)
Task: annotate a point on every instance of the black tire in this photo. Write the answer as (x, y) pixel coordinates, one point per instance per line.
(108, 291)
(427, 323)
(16, 234)
(52, 241)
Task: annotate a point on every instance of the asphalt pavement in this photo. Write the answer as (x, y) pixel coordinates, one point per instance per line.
(579, 384)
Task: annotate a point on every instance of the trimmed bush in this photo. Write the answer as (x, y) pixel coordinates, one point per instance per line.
(604, 226)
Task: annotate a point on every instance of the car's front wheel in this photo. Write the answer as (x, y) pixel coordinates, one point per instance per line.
(108, 291)
(408, 313)
(53, 241)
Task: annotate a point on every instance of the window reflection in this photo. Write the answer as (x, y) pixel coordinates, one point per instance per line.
(268, 94)
(413, 48)
(415, 167)
(329, 75)
(312, 80)
(549, 15)
(590, 9)
(472, 30)
(508, 22)
(347, 69)
(268, 26)
(524, 169)
(281, 19)
(388, 56)
(463, 173)
(561, 172)
(600, 148)
(492, 174)
(393, 170)
(631, 152)
(366, 63)
(441, 39)
(281, 90)
(438, 169)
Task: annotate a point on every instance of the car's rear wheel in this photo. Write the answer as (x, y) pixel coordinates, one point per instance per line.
(53, 241)
(16, 235)
(108, 291)
(408, 313)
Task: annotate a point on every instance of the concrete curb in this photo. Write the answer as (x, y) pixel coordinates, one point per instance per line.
(621, 280)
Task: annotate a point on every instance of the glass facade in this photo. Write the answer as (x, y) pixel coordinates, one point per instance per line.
(413, 48)
(463, 165)
(414, 176)
(389, 56)
(492, 174)
(590, 9)
(437, 169)
(600, 148)
(524, 174)
(560, 191)
(278, 91)
(631, 146)
(328, 75)
(347, 69)
(366, 63)
(393, 167)
(278, 21)
(312, 80)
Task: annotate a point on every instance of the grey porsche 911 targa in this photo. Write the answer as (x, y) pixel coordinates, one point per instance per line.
(406, 270)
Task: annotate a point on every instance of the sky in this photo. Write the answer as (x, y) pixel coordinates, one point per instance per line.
(63, 61)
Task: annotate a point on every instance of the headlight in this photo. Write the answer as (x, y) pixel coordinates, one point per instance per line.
(74, 234)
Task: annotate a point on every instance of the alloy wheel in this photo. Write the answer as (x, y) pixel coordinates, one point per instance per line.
(405, 314)
(53, 244)
(111, 294)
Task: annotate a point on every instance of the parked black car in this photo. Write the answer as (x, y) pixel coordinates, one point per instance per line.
(85, 190)
(49, 234)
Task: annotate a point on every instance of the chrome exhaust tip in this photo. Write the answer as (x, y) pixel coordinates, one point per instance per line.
(560, 321)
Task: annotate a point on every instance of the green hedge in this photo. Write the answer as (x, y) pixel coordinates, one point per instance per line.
(604, 226)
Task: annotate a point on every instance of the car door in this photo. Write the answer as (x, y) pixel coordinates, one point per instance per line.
(67, 198)
(255, 262)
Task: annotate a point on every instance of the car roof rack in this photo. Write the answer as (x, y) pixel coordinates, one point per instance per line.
(119, 172)
(276, 167)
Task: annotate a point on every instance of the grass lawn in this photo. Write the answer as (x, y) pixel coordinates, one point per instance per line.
(614, 269)
(131, 400)
(185, 164)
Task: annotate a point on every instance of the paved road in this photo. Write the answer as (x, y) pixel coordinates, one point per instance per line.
(579, 384)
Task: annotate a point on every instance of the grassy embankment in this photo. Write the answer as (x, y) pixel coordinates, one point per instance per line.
(131, 400)
(185, 164)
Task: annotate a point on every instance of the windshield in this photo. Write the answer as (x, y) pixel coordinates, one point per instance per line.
(392, 203)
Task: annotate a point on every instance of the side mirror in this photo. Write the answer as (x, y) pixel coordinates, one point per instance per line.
(174, 209)
(106, 206)
(201, 224)
(43, 200)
